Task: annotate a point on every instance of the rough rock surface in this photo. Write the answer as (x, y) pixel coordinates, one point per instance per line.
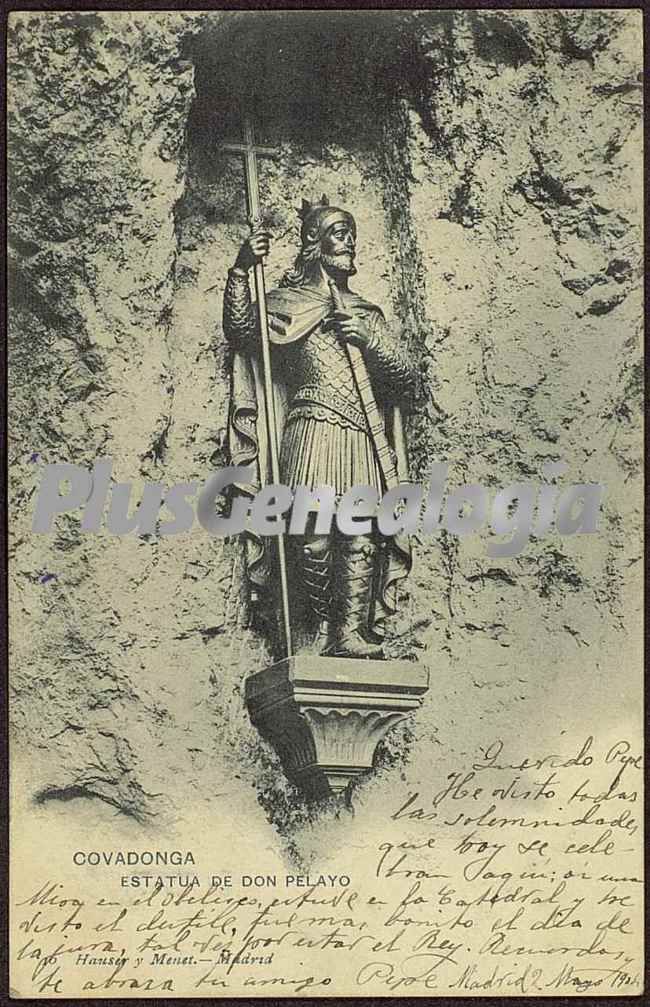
(492, 162)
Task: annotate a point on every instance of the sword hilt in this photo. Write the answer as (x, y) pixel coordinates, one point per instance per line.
(337, 300)
(337, 296)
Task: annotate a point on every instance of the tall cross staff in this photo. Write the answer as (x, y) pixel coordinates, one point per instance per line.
(250, 152)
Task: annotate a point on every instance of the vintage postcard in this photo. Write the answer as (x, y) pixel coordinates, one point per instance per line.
(325, 450)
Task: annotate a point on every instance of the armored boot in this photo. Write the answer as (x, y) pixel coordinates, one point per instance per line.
(317, 581)
(355, 582)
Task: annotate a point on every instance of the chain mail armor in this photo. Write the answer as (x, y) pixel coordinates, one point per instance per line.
(325, 440)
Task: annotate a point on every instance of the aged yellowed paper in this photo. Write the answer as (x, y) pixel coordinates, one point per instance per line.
(326, 503)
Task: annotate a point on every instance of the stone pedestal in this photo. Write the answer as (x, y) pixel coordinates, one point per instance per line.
(325, 716)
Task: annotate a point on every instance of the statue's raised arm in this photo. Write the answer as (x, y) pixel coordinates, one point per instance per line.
(239, 318)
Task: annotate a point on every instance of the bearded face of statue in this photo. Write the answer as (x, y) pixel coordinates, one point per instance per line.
(338, 248)
(328, 238)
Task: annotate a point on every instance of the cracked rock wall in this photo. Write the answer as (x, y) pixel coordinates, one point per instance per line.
(492, 162)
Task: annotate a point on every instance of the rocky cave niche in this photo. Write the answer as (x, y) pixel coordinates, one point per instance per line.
(453, 138)
(328, 95)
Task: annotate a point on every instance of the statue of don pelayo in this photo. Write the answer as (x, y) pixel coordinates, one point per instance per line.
(342, 376)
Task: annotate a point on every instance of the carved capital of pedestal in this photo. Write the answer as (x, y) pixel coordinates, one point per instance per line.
(325, 716)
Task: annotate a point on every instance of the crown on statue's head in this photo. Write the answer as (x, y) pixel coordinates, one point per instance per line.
(307, 207)
(316, 218)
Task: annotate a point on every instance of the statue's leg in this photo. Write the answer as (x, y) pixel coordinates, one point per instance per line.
(317, 582)
(354, 572)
